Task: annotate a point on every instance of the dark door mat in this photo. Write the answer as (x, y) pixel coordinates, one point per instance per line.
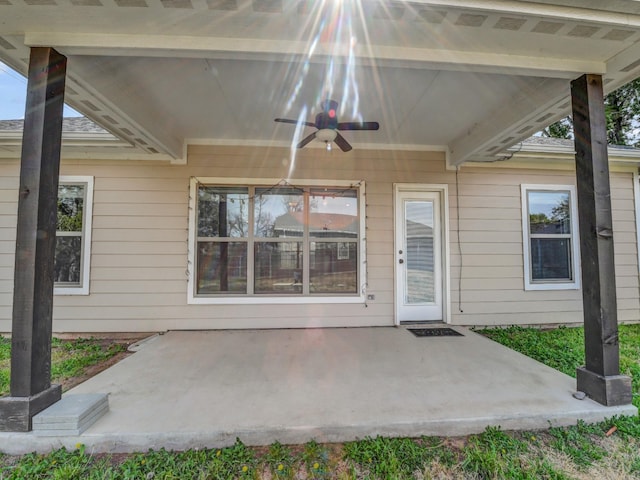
(435, 332)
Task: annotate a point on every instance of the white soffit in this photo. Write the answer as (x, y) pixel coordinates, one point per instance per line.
(472, 76)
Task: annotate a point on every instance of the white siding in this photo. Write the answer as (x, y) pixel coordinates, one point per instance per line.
(140, 242)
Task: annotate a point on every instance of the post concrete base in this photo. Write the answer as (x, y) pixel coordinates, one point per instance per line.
(612, 390)
(16, 412)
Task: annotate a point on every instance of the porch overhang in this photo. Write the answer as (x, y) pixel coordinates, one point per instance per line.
(471, 78)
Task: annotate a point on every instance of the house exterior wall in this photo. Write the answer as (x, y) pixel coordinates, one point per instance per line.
(140, 243)
(492, 262)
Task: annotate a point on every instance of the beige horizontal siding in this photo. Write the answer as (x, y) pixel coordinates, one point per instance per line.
(488, 263)
(140, 242)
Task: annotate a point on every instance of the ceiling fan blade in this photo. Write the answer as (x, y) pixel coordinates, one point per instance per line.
(342, 143)
(307, 140)
(358, 126)
(295, 122)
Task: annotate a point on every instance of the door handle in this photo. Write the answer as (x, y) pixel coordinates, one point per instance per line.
(401, 261)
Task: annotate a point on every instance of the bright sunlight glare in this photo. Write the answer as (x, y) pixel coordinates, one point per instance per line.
(333, 37)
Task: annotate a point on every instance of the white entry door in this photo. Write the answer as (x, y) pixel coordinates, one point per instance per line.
(418, 256)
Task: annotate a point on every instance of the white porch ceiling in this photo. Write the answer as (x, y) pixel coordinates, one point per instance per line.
(471, 77)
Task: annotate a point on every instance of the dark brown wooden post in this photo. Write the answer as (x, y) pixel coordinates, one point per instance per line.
(31, 389)
(600, 378)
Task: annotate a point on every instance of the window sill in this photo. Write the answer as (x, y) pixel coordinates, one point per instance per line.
(71, 291)
(552, 286)
(273, 300)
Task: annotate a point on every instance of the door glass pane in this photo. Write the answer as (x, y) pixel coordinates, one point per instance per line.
(419, 256)
(278, 267)
(222, 267)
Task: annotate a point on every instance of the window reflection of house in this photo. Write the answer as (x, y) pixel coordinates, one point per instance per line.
(321, 225)
(284, 247)
(327, 255)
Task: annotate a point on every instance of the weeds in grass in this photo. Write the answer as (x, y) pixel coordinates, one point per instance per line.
(69, 358)
(625, 426)
(495, 454)
(578, 443)
(393, 457)
(280, 461)
(60, 464)
(5, 360)
(316, 460)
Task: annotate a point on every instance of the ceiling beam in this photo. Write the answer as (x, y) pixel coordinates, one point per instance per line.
(595, 14)
(506, 120)
(256, 49)
(623, 67)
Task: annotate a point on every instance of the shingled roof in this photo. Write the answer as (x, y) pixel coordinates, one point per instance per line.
(567, 143)
(70, 124)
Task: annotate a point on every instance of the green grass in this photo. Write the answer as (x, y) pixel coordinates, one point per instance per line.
(69, 358)
(577, 452)
(496, 454)
(563, 348)
(393, 457)
(493, 454)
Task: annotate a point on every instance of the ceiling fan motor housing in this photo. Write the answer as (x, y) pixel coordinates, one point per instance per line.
(327, 119)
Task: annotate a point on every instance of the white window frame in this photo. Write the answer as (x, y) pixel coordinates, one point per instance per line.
(575, 240)
(87, 217)
(235, 299)
(636, 199)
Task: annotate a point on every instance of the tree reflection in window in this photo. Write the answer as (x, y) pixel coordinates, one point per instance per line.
(70, 221)
(277, 240)
(550, 235)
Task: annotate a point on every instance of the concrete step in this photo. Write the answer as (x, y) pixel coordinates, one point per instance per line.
(72, 415)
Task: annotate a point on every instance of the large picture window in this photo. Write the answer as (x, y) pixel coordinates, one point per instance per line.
(261, 241)
(73, 236)
(550, 237)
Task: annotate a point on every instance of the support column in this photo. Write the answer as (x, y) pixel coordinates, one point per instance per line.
(31, 389)
(600, 378)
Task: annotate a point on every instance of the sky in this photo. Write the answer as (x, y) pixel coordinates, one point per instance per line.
(13, 91)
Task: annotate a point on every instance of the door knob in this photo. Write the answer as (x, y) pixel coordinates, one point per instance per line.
(401, 261)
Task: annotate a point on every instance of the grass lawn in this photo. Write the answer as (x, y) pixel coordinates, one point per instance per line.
(72, 360)
(609, 450)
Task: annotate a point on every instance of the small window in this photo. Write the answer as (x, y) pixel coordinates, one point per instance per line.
(550, 237)
(73, 236)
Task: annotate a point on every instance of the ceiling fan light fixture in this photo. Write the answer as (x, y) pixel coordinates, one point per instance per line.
(326, 135)
(328, 127)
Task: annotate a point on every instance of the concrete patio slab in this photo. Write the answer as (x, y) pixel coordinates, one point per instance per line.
(203, 389)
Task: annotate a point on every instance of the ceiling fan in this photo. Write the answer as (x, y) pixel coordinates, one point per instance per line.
(328, 127)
